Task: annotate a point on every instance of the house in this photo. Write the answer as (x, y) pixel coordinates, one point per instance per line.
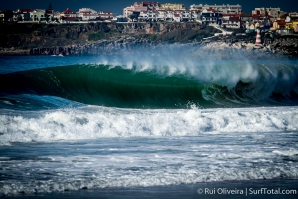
(245, 17)
(231, 21)
(211, 16)
(68, 15)
(38, 15)
(6, 16)
(195, 15)
(152, 16)
(105, 15)
(169, 15)
(279, 25)
(87, 14)
(22, 15)
(161, 15)
(261, 18)
(143, 16)
(177, 18)
(275, 13)
(186, 15)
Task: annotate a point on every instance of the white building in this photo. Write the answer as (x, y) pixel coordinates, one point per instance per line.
(195, 15)
(105, 15)
(171, 6)
(161, 15)
(87, 14)
(140, 7)
(235, 9)
(169, 16)
(177, 18)
(38, 15)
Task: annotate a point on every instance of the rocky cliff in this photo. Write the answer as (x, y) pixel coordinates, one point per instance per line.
(109, 38)
(28, 36)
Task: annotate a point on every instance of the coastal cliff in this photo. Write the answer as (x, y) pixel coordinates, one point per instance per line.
(108, 38)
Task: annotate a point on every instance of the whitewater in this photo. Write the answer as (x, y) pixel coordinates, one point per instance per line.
(169, 115)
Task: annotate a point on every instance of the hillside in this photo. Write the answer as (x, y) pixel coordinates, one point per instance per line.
(28, 36)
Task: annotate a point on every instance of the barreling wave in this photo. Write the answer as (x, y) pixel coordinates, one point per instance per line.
(207, 85)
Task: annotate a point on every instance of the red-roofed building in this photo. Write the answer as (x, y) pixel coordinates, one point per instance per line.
(274, 13)
(177, 18)
(68, 15)
(279, 24)
(233, 21)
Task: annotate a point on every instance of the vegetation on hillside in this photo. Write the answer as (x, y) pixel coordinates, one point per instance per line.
(28, 36)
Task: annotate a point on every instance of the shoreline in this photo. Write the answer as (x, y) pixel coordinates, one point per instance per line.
(116, 45)
(203, 190)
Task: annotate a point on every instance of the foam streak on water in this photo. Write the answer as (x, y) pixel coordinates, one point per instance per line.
(147, 161)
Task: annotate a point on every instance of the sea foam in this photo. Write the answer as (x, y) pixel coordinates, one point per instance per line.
(93, 122)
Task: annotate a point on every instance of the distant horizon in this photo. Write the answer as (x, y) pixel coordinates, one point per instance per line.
(117, 6)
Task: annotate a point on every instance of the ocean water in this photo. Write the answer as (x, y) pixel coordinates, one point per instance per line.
(129, 122)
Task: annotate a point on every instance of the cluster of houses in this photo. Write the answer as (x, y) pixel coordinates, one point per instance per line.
(226, 16)
(49, 15)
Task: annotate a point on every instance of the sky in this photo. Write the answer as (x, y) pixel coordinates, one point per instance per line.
(116, 6)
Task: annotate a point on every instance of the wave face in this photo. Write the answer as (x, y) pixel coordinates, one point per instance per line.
(207, 85)
(139, 119)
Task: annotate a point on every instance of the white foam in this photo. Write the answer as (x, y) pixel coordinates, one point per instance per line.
(96, 122)
(145, 170)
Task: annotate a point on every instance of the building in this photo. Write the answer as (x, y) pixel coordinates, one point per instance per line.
(234, 9)
(22, 15)
(171, 6)
(87, 14)
(279, 25)
(274, 13)
(161, 15)
(195, 15)
(50, 14)
(38, 15)
(6, 16)
(140, 7)
(196, 7)
(105, 15)
(177, 18)
(211, 16)
(232, 21)
(68, 15)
